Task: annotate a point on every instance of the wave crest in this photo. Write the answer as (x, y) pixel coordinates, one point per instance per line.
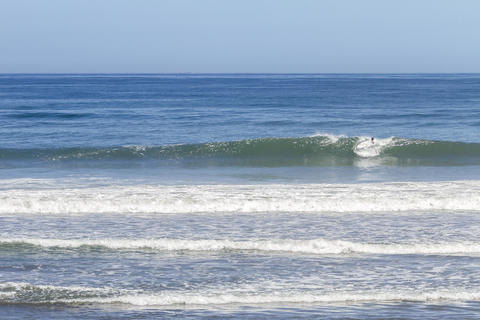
(317, 150)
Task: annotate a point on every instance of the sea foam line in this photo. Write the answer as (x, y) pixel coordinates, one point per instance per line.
(255, 299)
(365, 197)
(25, 293)
(313, 246)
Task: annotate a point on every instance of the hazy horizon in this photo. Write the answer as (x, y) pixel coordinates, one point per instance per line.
(240, 73)
(213, 36)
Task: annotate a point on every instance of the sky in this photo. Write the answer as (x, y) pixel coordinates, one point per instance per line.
(239, 36)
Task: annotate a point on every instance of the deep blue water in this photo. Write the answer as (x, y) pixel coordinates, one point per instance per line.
(53, 111)
(240, 196)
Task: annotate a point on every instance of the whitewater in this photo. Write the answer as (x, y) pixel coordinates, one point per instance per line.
(256, 198)
(314, 246)
(239, 196)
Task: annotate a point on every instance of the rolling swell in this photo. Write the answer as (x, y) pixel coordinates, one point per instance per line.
(28, 115)
(319, 150)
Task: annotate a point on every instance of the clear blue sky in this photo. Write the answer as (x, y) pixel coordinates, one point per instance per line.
(239, 36)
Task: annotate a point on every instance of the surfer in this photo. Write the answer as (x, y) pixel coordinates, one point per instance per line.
(373, 140)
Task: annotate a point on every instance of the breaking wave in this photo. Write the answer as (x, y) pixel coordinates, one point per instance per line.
(317, 150)
(314, 246)
(25, 293)
(257, 198)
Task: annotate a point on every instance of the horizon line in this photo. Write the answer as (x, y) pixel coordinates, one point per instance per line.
(234, 73)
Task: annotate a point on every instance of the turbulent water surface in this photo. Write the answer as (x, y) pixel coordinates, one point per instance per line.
(240, 196)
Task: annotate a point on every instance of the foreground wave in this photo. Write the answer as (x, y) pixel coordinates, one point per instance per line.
(317, 150)
(316, 198)
(25, 293)
(314, 246)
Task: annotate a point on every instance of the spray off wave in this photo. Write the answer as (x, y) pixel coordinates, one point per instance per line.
(316, 198)
(316, 150)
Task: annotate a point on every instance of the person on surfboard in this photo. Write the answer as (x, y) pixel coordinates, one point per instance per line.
(373, 140)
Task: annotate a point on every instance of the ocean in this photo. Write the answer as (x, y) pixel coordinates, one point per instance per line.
(239, 196)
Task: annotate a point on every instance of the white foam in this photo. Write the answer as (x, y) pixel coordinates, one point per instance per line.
(313, 246)
(12, 292)
(150, 199)
(366, 149)
(284, 298)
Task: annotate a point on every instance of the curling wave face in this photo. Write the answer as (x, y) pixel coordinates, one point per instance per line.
(316, 150)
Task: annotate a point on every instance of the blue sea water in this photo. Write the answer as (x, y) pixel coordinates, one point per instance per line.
(239, 196)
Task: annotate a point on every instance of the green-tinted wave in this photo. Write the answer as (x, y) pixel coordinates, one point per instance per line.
(304, 151)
